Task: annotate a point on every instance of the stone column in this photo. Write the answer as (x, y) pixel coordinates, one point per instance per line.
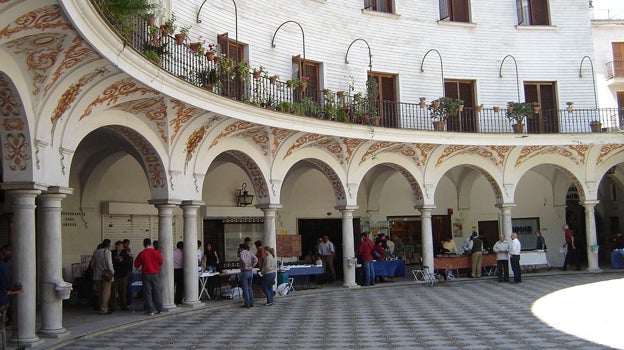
(165, 245)
(427, 236)
(268, 237)
(191, 283)
(590, 235)
(49, 242)
(24, 266)
(348, 247)
(505, 209)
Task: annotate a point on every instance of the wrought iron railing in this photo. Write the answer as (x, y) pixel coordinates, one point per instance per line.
(224, 77)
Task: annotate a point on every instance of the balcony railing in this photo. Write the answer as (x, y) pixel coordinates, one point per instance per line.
(227, 80)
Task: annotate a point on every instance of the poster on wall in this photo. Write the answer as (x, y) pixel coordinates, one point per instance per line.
(525, 228)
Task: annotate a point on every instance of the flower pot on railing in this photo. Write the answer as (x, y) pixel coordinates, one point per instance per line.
(340, 94)
(272, 79)
(518, 128)
(256, 74)
(179, 38)
(477, 109)
(194, 47)
(166, 29)
(151, 20)
(595, 126)
(376, 120)
(496, 109)
(210, 55)
(439, 125)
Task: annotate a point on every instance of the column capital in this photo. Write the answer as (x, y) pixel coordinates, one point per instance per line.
(428, 207)
(591, 203)
(59, 190)
(192, 203)
(269, 206)
(505, 205)
(14, 186)
(157, 202)
(346, 207)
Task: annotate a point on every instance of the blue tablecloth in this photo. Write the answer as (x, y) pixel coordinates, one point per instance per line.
(389, 268)
(305, 271)
(617, 259)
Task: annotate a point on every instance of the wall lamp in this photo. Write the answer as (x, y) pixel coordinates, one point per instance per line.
(243, 198)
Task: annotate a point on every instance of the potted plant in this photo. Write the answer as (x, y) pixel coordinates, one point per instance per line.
(273, 79)
(570, 107)
(496, 109)
(257, 72)
(242, 69)
(595, 126)
(182, 35)
(155, 47)
(210, 52)
(423, 102)
(123, 14)
(517, 113)
(169, 26)
(284, 106)
(536, 107)
(442, 109)
(208, 78)
(478, 108)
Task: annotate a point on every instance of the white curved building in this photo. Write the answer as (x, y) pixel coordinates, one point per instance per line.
(128, 149)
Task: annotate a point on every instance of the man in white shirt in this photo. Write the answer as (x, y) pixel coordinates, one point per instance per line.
(514, 257)
(178, 273)
(501, 248)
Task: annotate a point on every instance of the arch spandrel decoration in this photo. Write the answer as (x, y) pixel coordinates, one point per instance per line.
(77, 53)
(153, 109)
(279, 137)
(183, 113)
(334, 180)
(495, 154)
(255, 174)
(607, 151)
(576, 153)
(341, 148)
(417, 152)
(44, 18)
(126, 88)
(197, 137)
(259, 135)
(150, 159)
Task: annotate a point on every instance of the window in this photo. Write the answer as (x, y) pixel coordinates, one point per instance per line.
(235, 50)
(532, 12)
(379, 5)
(386, 105)
(618, 59)
(462, 89)
(311, 71)
(455, 10)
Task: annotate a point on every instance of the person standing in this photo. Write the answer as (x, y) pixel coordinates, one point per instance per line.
(476, 255)
(540, 242)
(571, 244)
(399, 248)
(210, 260)
(122, 263)
(246, 263)
(102, 261)
(5, 285)
(260, 253)
(327, 251)
(269, 272)
(178, 273)
(200, 255)
(150, 260)
(501, 248)
(365, 250)
(514, 257)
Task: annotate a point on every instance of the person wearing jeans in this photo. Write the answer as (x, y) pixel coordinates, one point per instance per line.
(269, 271)
(365, 251)
(246, 263)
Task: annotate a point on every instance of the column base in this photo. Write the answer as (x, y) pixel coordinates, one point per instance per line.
(53, 333)
(193, 304)
(168, 307)
(351, 285)
(594, 270)
(25, 342)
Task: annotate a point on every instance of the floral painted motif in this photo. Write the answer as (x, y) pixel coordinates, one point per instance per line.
(192, 143)
(606, 150)
(44, 18)
(279, 136)
(575, 153)
(77, 53)
(495, 154)
(183, 113)
(154, 109)
(17, 151)
(231, 129)
(41, 52)
(111, 94)
(70, 95)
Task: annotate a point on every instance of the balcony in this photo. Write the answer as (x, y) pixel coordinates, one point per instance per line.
(234, 79)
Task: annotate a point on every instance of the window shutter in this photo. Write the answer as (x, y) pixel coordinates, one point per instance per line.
(445, 13)
(459, 9)
(296, 67)
(520, 13)
(369, 4)
(539, 12)
(222, 40)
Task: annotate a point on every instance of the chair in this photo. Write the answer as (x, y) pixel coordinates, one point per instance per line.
(291, 283)
(424, 276)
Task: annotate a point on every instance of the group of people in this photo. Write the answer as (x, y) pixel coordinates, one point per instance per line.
(112, 269)
(383, 248)
(267, 265)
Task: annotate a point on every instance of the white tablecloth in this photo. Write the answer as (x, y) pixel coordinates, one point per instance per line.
(533, 258)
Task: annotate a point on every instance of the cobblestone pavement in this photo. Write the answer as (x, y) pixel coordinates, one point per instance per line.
(469, 314)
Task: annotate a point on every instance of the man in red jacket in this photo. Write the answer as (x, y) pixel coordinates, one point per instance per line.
(365, 251)
(149, 260)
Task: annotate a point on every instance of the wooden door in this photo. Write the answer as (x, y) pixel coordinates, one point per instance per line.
(547, 121)
(465, 91)
(386, 105)
(490, 230)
